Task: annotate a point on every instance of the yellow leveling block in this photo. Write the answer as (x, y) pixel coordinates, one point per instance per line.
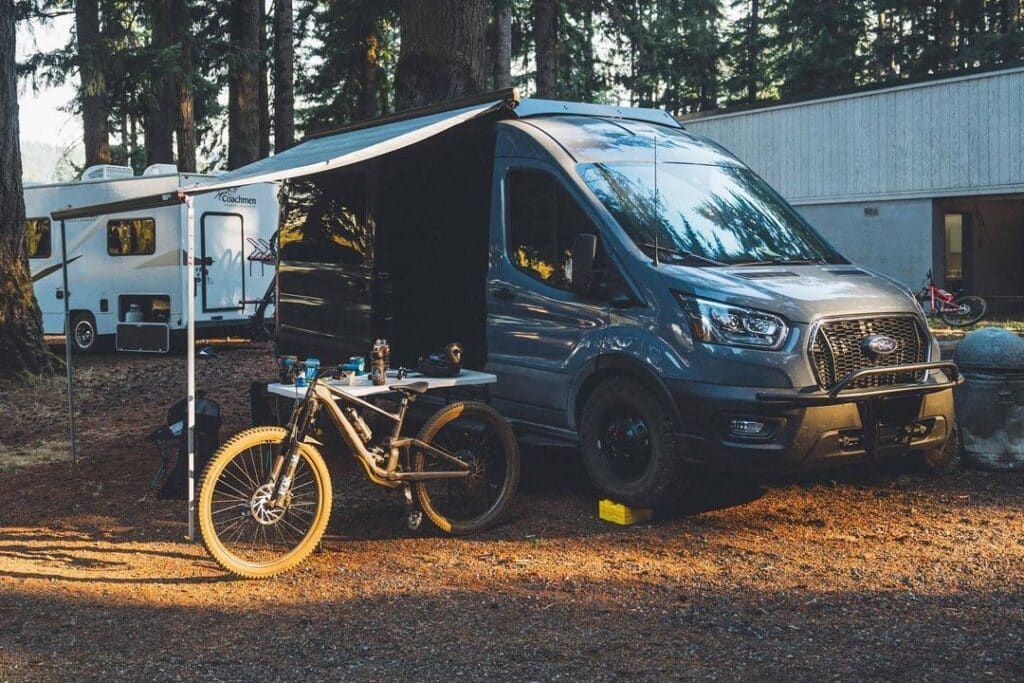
(610, 511)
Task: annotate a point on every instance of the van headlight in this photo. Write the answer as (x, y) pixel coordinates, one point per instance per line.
(716, 323)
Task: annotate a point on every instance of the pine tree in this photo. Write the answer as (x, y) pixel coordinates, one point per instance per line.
(818, 45)
(22, 349)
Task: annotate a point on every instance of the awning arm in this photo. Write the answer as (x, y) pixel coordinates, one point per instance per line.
(509, 95)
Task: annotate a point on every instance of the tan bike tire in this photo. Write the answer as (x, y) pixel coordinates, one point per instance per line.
(510, 447)
(240, 443)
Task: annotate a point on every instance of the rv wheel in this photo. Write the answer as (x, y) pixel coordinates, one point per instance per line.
(627, 445)
(83, 332)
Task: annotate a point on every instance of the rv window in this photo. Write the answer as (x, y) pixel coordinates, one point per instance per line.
(131, 236)
(37, 233)
(543, 222)
(325, 222)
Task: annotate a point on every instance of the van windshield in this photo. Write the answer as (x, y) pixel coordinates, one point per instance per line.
(705, 214)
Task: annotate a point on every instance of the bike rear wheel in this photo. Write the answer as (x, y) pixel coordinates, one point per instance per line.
(245, 535)
(476, 434)
(966, 311)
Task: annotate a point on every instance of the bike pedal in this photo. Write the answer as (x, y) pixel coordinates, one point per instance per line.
(414, 519)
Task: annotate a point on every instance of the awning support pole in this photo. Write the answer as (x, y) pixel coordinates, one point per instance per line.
(67, 340)
(190, 307)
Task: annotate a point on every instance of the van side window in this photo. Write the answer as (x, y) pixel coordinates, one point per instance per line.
(37, 233)
(325, 220)
(543, 220)
(131, 236)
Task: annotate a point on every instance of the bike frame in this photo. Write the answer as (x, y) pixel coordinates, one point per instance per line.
(935, 294)
(320, 395)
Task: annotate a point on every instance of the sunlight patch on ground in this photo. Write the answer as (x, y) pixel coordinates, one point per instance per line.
(16, 456)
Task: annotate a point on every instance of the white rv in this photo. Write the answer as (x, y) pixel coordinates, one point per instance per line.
(125, 269)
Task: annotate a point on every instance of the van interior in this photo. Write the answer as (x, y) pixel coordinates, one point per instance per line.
(433, 225)
(411, 230)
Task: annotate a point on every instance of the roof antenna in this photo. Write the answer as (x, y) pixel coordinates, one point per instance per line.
(657, 261)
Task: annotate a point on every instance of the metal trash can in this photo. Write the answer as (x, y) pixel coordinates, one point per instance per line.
(990, 402)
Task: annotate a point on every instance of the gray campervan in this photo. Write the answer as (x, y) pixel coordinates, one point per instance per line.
(637, 289)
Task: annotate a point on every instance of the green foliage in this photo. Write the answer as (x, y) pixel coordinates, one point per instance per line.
(339, 40)
(681, 55)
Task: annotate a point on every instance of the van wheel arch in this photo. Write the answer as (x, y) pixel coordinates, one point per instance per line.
(604, 368)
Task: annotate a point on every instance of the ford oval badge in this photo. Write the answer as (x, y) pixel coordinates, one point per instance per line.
(880, 345)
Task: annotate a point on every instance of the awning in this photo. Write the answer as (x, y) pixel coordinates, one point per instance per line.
(350, 146)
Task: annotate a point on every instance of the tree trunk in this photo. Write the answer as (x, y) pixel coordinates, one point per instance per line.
(21, 331)
(544, 37)
(503, 44)
(284, 75)
(93, 92)
(443, 51)
(264, 88)
(243, 84)
(181, 13)
(369, 74)
(161, 99)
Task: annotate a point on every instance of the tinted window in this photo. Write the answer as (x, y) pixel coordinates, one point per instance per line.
(37, 234)
(543, 222)
(131, 236)
(325, 221)
(724, 213)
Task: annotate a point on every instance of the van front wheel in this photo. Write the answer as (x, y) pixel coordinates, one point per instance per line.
(627, 445)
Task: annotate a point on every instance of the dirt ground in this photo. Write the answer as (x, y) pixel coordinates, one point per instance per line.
(863, 574)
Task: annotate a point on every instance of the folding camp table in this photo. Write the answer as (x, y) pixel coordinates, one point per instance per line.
(364, 387)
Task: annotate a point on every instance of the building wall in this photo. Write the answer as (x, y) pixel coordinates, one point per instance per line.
(956, 136)
(893, 237)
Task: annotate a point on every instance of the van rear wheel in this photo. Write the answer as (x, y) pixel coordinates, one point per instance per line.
(628, 449)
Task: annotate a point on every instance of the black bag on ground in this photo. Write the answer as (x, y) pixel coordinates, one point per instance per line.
(207, 441)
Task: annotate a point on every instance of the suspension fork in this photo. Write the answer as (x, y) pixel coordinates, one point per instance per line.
(287, 461)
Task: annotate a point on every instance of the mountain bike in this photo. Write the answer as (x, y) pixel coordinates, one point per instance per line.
(265, 497)
(955, 310)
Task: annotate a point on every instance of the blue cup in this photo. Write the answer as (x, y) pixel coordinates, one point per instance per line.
(312, 365)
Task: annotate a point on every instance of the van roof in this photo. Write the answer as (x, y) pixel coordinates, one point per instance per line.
(591, 139)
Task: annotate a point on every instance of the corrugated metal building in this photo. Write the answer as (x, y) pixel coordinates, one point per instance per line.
(903, 179)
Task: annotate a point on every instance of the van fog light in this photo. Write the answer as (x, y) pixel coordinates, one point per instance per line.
(749, 428)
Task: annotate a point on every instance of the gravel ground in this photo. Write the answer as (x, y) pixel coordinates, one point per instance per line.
(862, 574)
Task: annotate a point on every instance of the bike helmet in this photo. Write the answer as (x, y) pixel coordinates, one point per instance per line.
(444, 363)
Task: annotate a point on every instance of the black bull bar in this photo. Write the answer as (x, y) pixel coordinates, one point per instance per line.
(867, 400)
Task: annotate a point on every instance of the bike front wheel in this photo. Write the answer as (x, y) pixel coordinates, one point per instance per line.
(243, 532)
(477, 435)
(965, 311)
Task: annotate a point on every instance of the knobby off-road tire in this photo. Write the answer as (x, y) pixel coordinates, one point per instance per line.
(476, 432)
(238, 446)
(628, 450)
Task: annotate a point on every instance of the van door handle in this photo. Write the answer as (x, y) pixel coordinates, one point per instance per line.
(503, 293)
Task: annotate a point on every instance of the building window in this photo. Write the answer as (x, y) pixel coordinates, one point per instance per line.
(37, 233)
(954, 249)
(131, 236)
(543, 222)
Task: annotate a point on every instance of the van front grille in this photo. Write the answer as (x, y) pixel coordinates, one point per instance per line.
(839, 348)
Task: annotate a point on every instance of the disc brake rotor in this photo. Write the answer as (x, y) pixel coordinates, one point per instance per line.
(262, 512)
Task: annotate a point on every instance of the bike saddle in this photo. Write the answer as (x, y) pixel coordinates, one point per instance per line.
(412, 387)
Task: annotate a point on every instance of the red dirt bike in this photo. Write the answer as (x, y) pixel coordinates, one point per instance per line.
(955, 310)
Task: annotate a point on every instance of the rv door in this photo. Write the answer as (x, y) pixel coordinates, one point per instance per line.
(222, 261)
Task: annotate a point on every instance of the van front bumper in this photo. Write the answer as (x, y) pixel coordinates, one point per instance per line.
(811, 428)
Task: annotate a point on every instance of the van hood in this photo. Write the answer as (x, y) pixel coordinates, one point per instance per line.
(799, 293)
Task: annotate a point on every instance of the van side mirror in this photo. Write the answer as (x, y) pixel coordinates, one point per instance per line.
(584, 251)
